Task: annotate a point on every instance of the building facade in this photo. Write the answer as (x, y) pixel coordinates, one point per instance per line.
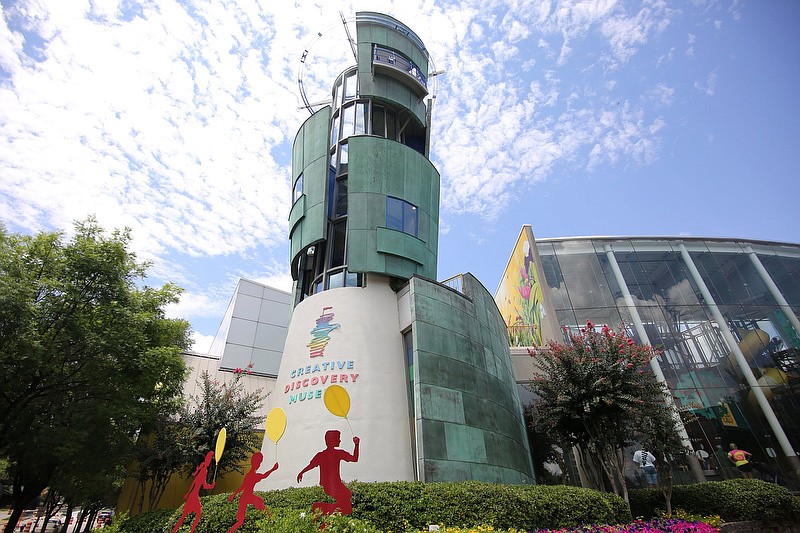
(425, 368)
(723, 313)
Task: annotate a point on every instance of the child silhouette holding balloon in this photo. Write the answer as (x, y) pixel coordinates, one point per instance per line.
(192, 496)
(248, 483)
(328, 461)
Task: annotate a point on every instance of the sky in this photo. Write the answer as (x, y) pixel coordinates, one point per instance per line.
(176, 118)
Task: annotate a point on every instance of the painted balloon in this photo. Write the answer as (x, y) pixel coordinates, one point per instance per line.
(275, 424)
(337, 400)
(223, 434)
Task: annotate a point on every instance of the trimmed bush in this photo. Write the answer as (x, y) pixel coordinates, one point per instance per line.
(402, 506)
(735, 500)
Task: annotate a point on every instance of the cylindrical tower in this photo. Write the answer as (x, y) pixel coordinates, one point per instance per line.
(364, 221)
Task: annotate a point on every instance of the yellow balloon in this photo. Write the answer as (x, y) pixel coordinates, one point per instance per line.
(337, 400)
(275, 424)
(223, 434)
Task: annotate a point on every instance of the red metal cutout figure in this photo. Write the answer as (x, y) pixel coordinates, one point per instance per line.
(192, 497)
(248, 483)
(328, 461)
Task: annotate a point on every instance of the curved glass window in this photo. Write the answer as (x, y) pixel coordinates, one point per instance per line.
(297, 190)
(401, 215)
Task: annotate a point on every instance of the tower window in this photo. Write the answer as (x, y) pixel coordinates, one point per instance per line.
(401, 216)
(297, 190)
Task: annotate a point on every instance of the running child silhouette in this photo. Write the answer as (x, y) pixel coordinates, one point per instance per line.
(246, 488)
(192, 496)
(329, 461)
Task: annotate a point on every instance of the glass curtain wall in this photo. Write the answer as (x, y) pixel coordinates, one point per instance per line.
(707, 382)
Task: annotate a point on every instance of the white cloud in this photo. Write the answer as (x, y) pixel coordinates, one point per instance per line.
(201, 343)
(710, 85)
(177, 120)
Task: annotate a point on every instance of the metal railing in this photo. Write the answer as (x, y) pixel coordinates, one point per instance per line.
(456, 283)
(393, 59)
(522, 335)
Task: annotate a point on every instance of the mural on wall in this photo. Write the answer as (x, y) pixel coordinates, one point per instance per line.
(520, 297)
(306, 383)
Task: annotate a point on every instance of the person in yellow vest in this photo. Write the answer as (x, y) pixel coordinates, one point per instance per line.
(741, 459)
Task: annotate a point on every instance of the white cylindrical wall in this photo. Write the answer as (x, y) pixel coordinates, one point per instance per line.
(365, 347)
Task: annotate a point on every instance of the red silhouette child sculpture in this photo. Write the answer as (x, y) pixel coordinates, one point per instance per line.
(248, 483)
(192, 497)
(328, 461)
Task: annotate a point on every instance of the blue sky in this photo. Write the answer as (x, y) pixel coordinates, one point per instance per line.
(176, 118)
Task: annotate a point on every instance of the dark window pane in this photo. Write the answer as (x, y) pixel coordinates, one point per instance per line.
(394, 213)
(391, 125)
(378, 121)
(338, 244)
(341, 197)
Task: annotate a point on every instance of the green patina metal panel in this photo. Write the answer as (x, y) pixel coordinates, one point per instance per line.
(433, 440)
(462, 368)
(444, 404)
(307, 223)
(370, 84)
(377, 168)
(464, 443)
(446, 470)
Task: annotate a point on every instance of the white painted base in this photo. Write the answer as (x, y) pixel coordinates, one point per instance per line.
(364, 354)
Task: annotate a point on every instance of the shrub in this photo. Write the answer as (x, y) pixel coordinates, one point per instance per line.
(155, 520)
(733, 500)
(401, 506)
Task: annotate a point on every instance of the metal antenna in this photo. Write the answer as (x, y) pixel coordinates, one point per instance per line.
(349, 37)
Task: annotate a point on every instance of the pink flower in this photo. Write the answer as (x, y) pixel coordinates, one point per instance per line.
(524, 274)
(525, 291)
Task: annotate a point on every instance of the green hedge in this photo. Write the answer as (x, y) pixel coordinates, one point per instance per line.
(402, 506)
(734, 500)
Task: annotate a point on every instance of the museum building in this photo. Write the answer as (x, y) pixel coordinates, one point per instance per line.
(425, 366)
(723, 314)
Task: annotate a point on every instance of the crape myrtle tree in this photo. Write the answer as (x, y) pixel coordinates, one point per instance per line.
(658, 435)
(221, 404)
(595, 392)
(180, 441)
(86, 352)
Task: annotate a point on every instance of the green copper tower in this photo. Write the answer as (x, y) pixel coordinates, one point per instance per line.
(419, 371)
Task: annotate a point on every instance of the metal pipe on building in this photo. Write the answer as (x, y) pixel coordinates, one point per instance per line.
(773, 289)
(694, 464)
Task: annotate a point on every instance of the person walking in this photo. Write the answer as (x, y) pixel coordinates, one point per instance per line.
(646, 462)
(741, 460)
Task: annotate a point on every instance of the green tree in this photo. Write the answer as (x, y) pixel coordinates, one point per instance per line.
(87, 352)
(593, 392)
(658, 434)
(222, 404)
(160, 452)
